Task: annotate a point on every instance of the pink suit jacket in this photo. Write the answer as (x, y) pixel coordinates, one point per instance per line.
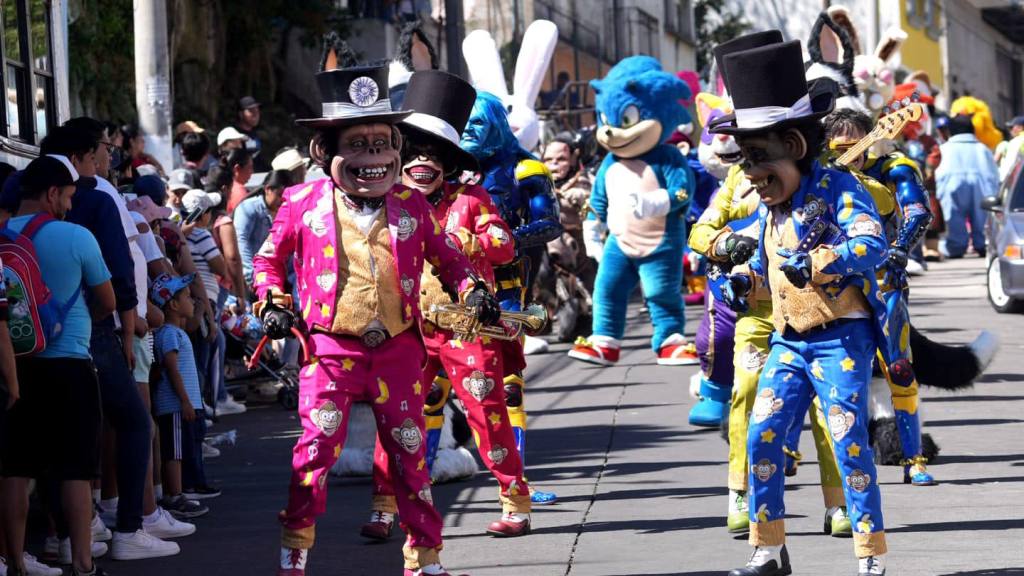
(306, 227)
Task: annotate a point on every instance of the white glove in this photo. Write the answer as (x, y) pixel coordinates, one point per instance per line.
(593, 238)
(650, 204)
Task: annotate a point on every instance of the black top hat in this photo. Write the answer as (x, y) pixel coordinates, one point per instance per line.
(356, 95)
(769, 91)
(745, 42)
(442, 104)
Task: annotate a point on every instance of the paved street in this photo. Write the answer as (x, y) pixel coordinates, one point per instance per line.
(641, 492)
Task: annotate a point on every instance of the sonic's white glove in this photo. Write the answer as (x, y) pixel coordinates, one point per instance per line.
(651, 204)
(593, 238)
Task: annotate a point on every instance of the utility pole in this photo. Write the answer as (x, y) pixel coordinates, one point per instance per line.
(453, 35)
(153, 78)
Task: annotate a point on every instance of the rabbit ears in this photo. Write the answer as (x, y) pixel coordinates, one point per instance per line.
(484, 62)
(336, 53)
(888, 49)
(415, 51)
(830, 44)
(840, 15)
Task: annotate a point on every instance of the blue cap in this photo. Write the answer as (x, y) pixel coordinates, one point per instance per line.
(164, 287)
(1017, 121)
(151, 186)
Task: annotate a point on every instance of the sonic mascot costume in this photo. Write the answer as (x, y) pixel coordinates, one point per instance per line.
(641, 193)
(521, 187)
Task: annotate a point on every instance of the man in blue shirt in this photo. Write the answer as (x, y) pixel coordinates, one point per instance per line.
(111, 346)
(966, 174)
(58, 417)
(254, 216)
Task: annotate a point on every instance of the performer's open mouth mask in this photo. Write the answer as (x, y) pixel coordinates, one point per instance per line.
(422, 168)
(368, 160)
(770, 163)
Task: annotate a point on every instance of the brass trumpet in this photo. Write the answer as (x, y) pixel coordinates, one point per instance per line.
(462, 321)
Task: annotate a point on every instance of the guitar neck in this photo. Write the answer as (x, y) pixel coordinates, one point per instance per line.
(856, 150)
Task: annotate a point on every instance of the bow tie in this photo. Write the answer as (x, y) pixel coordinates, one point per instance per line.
(361, 203)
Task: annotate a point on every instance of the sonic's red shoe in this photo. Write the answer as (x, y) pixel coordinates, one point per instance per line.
(293, 562)
(595, 352)
(509, 528)
(676, 351)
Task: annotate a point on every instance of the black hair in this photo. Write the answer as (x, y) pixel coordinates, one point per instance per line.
(42, 174)
(234, 158)
(94, 128)
(194, 146)
(569, 139)
(67, 141)
(844, 120)
(278, 179)
(449, 161)
(217, 178)
(5, 171)
(960, 124)
(129, 132)
(814, 135)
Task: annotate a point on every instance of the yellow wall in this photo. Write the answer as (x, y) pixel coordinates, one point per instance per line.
(921, 52)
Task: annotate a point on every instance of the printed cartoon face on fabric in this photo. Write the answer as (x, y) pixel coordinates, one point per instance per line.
(368, 160)
(422, 165)
(770, 163)
(487, 130)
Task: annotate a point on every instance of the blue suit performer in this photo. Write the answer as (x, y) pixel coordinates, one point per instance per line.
(641, 193)
(820, 242)
(521, 187)
(906, 217)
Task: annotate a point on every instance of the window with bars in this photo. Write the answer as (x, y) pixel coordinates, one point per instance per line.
(28, 80)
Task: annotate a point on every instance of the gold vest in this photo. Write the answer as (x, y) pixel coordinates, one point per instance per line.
(431, 292)
(368, 290)
(807, 307)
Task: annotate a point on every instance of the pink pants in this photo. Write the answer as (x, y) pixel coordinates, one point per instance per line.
(344, 371)
(475, 371)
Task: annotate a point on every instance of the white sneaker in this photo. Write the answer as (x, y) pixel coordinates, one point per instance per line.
(64, 557)
(914, 268)
(139, 545)
(166, 526)
(230, 406)
(534, 345)
(872, 566)
(210, 451)
(33, 567)
(100, 532)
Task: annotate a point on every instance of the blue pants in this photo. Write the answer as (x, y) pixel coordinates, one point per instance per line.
(960, 206)
(124, 411)
(835, 363)
(660, 276)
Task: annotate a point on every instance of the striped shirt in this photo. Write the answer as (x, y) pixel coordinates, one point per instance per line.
(204, 249)
(170, 338)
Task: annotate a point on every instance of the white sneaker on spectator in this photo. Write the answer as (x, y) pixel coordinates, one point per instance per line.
(209, 423)
(33, 567)
(210, 451)
(139, 545)
(3, 566)
(207, 408)
(167, 526)
(98, 550)
(914, 268)
(230, 406)
(100, 532)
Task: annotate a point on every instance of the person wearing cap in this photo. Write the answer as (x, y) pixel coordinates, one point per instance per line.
(248, 122)
(177, 399)
(291, 160)
(820, 240)
(1008, 151)
(431, 159)
(181, 181)
(966, 175)
(58, 417)
(359, 243)
(254, 216)
(229, 139)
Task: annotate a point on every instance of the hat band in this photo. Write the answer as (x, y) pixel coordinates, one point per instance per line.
(434, 125)
(749, 118)
(334, 110)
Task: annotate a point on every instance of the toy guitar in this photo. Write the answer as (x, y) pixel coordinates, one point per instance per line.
(888, 127)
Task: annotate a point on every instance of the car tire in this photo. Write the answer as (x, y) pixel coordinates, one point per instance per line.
(1002, 302)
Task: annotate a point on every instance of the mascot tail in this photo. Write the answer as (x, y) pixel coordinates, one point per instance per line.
(951, 367)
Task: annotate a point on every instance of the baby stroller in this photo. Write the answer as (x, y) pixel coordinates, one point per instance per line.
(253, 364)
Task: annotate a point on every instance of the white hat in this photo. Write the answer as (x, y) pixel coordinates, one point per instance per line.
(229, 133)
(147, 170)
(198, 200)
(290, 159)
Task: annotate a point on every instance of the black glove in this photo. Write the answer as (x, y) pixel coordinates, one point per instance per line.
(740, 248)
(277, 321)
(797, 267)
(898, 257)
(486, 305)
(735, 290)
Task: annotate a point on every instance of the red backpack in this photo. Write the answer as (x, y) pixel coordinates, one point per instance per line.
(35, 316)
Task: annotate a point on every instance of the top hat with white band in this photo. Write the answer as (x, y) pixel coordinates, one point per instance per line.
(442, 104)
(357, 95)
(769, 91)
(738, 44)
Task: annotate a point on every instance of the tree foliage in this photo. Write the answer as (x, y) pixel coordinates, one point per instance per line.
(715, 23)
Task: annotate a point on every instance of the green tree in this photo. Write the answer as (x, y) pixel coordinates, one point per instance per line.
(716, 23)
